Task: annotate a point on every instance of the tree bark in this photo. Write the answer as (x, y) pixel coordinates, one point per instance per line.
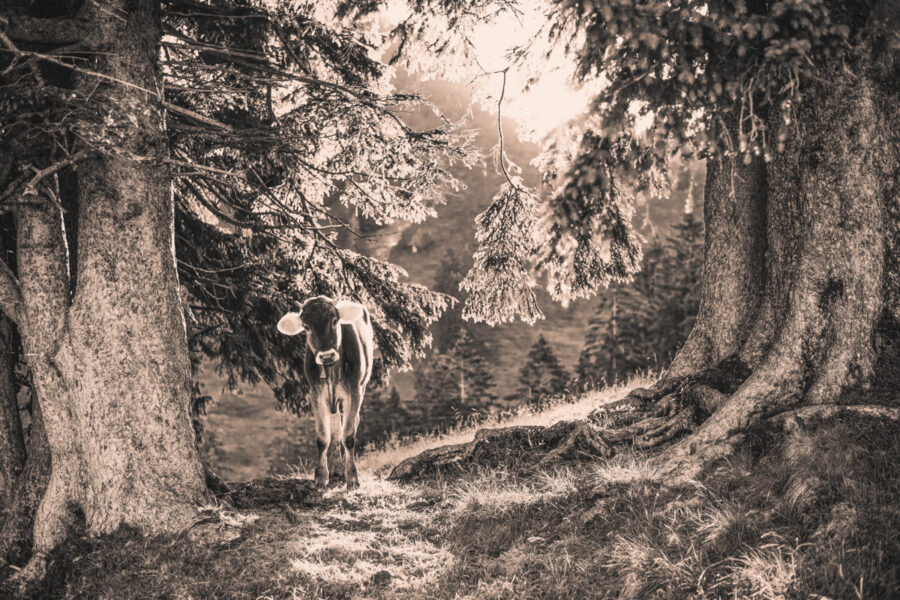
(12, 443)
(17, 530)
(734, 212)
(796, 279)
(784, 210)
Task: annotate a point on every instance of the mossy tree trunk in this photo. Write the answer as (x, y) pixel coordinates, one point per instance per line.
(797, 276)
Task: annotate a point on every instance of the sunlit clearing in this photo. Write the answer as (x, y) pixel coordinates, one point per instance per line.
(370, 536)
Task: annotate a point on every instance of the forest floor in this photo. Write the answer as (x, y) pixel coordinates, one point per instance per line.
(812, 515)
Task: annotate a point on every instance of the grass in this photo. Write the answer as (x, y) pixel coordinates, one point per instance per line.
(812, 514)
(380, 461)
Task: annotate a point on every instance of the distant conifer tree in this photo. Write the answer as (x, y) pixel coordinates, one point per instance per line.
(456, 385)
(383, 415)
(450, 272)
(684, 264)
(642, 324)
(542, 375)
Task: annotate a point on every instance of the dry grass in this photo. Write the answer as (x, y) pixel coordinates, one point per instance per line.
(810, 515)
(769, 572)
(498, 492)
(564, 409)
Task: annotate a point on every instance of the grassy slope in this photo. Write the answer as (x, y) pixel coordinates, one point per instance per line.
(815, 515)
(248, 437)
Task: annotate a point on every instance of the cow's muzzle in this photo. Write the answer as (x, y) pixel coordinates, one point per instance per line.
(328, 357)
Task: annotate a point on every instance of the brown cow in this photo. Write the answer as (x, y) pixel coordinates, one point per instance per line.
(337, 365)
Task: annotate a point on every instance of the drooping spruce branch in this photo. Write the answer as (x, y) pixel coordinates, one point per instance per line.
(499, 285)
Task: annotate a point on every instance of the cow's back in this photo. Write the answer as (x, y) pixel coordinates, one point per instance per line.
(358, 348)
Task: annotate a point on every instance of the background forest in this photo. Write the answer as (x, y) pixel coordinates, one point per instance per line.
(474, 369)
(176, 176)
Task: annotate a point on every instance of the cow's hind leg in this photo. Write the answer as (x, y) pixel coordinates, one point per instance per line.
(348, 436)
(322, 418)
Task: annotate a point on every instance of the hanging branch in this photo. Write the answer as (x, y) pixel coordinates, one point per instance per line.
(500, 127)
(499, 284)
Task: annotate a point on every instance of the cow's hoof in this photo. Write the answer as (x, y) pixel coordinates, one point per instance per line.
(321, 479)
(352, 481)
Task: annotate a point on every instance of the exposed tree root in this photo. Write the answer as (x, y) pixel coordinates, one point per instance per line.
(672, 408)
(797, 418)
(25, 582)
(582, 442)
(694, 424)
(521, 448)
(271, 491)
(214, 483)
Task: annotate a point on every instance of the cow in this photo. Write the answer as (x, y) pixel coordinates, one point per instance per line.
(337, 365)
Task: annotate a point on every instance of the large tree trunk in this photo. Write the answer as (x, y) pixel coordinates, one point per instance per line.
(795, 280)
(734, 213)
(110, 361)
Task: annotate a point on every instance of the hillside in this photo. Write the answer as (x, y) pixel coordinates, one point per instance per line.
(801, 517)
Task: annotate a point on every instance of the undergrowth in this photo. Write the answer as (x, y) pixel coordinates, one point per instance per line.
(811, 514)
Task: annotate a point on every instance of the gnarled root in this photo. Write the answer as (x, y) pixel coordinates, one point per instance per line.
(581, 442)
(25, 582)
(648, 418)
(654, 431)
(797, 418)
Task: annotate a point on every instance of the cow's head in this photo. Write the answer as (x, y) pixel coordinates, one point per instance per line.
(321, 318)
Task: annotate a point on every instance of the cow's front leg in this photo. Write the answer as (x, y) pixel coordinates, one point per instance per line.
(321, 414)
(348, 437)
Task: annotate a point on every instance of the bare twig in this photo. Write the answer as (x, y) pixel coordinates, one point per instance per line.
(500, 129)
(30, 186)
(196, 116)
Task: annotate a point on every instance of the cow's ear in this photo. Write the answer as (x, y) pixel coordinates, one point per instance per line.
(290, 324)
(350, 311)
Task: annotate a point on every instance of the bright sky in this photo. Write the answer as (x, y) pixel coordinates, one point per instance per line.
(550, 102)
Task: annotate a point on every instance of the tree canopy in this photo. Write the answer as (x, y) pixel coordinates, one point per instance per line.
(680, 78)
(276, 115)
